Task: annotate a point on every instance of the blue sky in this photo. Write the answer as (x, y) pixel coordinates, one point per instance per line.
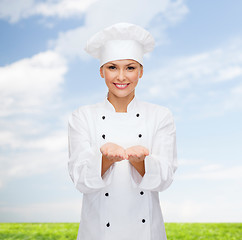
(195, 70)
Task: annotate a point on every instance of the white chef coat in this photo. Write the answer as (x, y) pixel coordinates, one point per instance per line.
(121, 205)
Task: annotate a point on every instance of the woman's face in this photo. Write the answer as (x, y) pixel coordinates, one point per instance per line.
(121, 77)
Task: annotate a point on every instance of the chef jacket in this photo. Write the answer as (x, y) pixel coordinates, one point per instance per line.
(121, 204)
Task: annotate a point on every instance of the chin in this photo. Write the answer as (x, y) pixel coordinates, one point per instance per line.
(123, 95)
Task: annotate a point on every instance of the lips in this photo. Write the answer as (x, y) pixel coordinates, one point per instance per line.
(121, 86)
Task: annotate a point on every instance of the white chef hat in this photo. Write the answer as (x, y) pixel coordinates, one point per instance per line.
(120, 41)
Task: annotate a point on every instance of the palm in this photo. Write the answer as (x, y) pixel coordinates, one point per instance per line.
(136, 153)
(113, 152)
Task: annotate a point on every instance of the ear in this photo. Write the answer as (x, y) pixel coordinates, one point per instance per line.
(141, 72)
(101, 72)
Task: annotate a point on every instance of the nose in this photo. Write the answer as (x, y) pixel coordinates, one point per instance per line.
(121, 75)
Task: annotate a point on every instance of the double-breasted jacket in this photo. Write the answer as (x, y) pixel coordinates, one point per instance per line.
(121, 205)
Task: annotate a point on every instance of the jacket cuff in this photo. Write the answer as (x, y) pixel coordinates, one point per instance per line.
(93, 177)
(151, 178)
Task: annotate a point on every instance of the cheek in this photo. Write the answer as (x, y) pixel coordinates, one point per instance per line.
(134, 77)
(108, 76)
(108, 79)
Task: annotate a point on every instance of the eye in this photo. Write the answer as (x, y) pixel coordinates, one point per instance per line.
(130, 68)
(111, 67)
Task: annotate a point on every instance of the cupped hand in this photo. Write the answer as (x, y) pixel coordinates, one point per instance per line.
(113, 152)
(136, 153)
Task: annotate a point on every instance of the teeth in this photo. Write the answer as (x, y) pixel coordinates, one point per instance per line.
(121, 85)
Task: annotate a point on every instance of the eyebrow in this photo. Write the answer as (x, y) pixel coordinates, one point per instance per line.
(116, 64)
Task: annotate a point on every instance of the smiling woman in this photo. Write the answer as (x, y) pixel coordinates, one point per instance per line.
(122, 151)
(121, 78)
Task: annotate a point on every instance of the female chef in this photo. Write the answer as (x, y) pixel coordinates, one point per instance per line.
(122, 150)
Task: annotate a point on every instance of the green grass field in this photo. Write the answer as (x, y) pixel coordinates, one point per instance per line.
(175, 231)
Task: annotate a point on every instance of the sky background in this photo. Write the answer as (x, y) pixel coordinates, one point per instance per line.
(195, 70)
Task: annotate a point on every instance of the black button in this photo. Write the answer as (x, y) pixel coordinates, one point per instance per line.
(108, 224)
(141, 193)
(103, 136)
(143, 220)
(106, 194)
(103, 117)
(137, 115)
(140, 135)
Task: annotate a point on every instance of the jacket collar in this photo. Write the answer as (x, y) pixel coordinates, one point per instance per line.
(131, 106)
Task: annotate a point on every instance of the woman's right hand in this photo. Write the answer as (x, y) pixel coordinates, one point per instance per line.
(113, 152)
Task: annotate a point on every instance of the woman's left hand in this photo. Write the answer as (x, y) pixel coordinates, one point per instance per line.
(136, 153)
(136, 156)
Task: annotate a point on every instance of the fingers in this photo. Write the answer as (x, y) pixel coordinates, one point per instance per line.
(136, 153)
(114, 159)
(116, 153)
(146, 152)
(113, 152)
(119, 153)
(115, 156)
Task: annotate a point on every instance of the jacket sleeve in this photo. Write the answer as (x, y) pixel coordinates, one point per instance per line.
(161, 164)
(85, 160)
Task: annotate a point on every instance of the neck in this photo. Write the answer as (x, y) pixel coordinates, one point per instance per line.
(120, 103)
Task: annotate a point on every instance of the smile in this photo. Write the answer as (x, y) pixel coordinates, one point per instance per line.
(121, 86)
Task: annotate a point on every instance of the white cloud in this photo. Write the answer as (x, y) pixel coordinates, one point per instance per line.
(63, 8)
(61, 211)
(55, 141)
(229, 73)
(29, 145)
(211, 172)
(214, 209)
(189, 162)
(211, 167)
(201, 69)
(234, 99)
(29, 84)
(8, 138)
(155, 17)
(29, 163)
(15, 10)
(31, 155)
(29, 92)
(211, 75)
